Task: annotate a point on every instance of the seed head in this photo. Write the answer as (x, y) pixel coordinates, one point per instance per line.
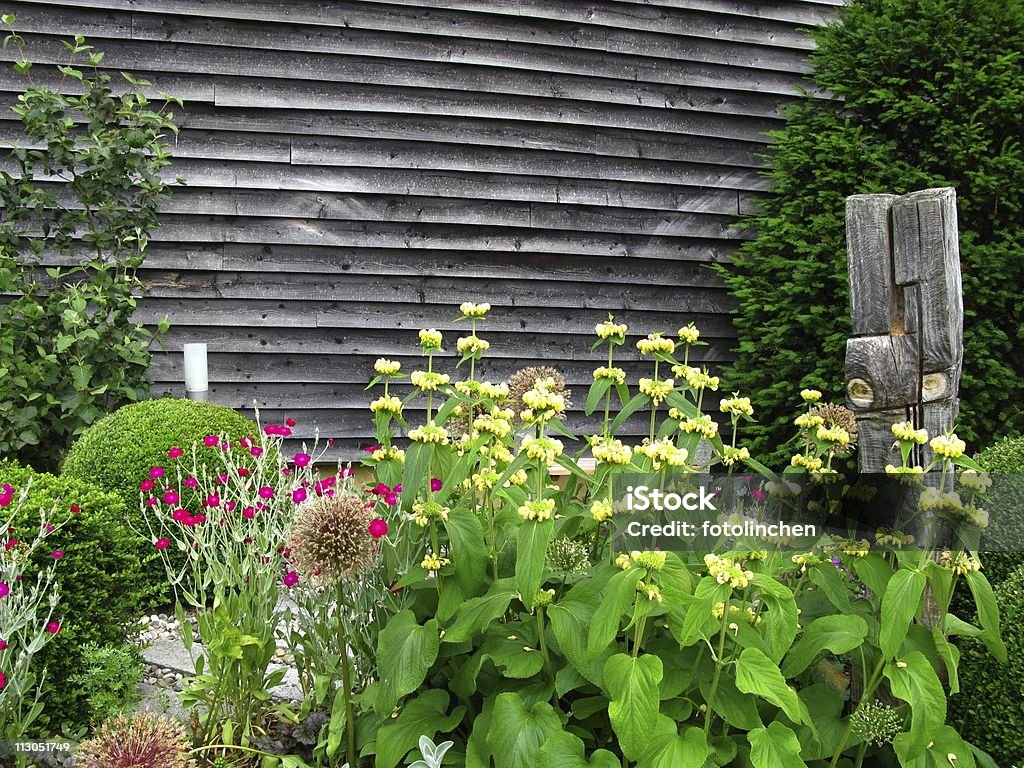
(331, 540)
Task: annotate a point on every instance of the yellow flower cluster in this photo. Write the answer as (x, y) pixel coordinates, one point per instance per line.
(655, 342)
(434, 563)
(541, 398)
(391, 452)
(695, 377)
(726, 571)
(809, 463)
(960, 563)
(518, 477)
(623, 562)
(388, 403)
(933, 498)
(538, 511)
(977, 516)
(886, 538)
(545, 449)
(610, 450)
(429, 433)
(911, 474)
(810, 395)
(386, 367)
(430, 339)
(651, 591)
(494, 391)
(652, 560)
(785, 489)
(736, 406)
(703, 425)
(469, 309)
(617, 375)
(610, 330)
(948, 446)
(496, 453)
(731, 455)
(497, 423)
(472, 345)
(808, 421)
(905, 431)
(975, 481)
(425, 511)
(805, 560)
(602, 510)
(748, 614)
(484, 481)
(656, 390)
(836, 435)
(689, 334)
(429, 381)
(856, 548)
(664, 451)
(824, 476)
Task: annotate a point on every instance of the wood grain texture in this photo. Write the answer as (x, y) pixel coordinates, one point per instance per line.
(357, 168)
(873, 295)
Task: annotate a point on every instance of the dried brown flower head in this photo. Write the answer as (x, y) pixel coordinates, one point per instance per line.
(143, 740)
(838, 416)
(331, 540)
(525, 379)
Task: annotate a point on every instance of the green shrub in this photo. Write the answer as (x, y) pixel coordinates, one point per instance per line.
(98, 577)
(987, 711)
(929, 93)
(117, 452)
(109, 680)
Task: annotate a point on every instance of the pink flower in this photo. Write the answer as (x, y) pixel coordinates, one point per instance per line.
(758, 494)
(245, 442)
(213, 500)
(146, 485)
(175, 453)
(291, 579)
(6, 498)
(256, 451)
(286, 470)
(330, 441)
(57, 554)
(10, 544)
(299, 495)
(397, 488)
(380, 489)
(391, 498)
(290, 421)
(75, 509)
(435, 484)
(266, 492)
(346, 472)
(210, 440)
(170, 497)
(190, 482)
(3, 680)
(180, 515)
(249, 513)
(3, 645)
(53, 627)
(378, 528)
(49, 528)
(371, 448)
(243, 472)
(301, 459)
(161, 543)
(230, 506)
(156, 472)
(4, 589)
(225, 446)
(151, 501)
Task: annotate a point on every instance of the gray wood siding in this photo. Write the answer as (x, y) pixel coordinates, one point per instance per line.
(356, 169)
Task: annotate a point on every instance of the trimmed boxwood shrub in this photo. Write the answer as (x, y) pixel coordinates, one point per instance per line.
(988, 711)
(928, 93)
(117, 452)
(98, 576)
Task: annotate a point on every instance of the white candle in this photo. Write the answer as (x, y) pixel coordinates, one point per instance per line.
(197, 377)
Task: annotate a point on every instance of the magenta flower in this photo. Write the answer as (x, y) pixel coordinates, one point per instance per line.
(3, 645)
(301, 459)
(175, 453)
(243, 472)
(330, 441)
(162, 543)
(57, 554)
(53, 627)
(9, 545)
(6, 497)
(190, 482)
(380, 489)
(266, 492)
(146, 485)
(397, 488)
(758, 494)
(299, 495)
(3, 680)
(75, 509)
(180, 515)
(378, 528)
(435, 484)
(210, 440)
(49, 528)
(290, 421)
(371, 448)
(346, 472)
(291, 579)
(4, 589)
(249, 513)
(171, 498)
(256, 451)
(245, 442)
(213, 500)
(156, 472)
(391, 498)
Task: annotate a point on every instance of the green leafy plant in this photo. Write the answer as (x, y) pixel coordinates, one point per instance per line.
(69, 346)
(97, 576)
(756, 654)
(926, 93)
(109, 680)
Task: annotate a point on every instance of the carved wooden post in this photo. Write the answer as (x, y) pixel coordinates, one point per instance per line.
(904, 359)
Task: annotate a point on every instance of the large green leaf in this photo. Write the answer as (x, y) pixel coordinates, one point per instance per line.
(838, 634)
(571, 619)
(531, 549)
(617, 597)
(782, 619)
(666, 748)
(632, 684)
(900, 603)
(825, 705)
(736, 708)
(468, 552)
(913, 679)
(405, 651)
(423, 716)
(476, 614)
(875, 571)
(414, 471)
(988, 613)
(566, 750)
(707, 594)
(937, 753)
(597, 391)
(774, 747)
(759, 675)
(517, 734)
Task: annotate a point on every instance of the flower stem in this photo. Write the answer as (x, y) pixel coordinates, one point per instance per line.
(710, 703)
(869, 689)
(346, 678)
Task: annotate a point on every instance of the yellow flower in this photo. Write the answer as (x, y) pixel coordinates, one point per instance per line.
(387, 367)
(434, 563)
(617, 375)
(948, 446)
(836, 435)
(725, 571)
(425, 511)
(388, 403)
(975, 481)
(961, 563)
(736, 406)
(808, 421)
(810, 395)
(493, 424)
(689, 334)
(472, 345)
(610, 330)
(731, 455)
(429, 433)
(602, 510)
(610, 450)
(905, 431)
(391, 452)
(856, 548)
(652, 560)
(545, 449)
(703, 425)
(655, 342)
(429, 381)
(494, 391)
(518, 477)
(430, 339)
(807, 462)
(538, 511)
(469, 309)
(623, 562)
(656, 390)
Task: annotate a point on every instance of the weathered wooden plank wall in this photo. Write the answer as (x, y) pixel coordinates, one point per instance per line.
(356, 169)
